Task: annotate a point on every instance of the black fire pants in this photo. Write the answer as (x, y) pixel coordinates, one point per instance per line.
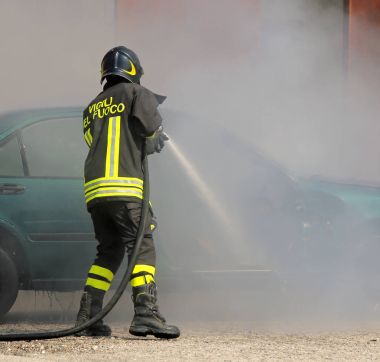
(116, 224)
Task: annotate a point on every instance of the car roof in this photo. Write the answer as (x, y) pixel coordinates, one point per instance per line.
(12, 121)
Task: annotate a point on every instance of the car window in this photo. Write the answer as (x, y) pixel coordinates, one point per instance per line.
(10, 158)
(55, 148)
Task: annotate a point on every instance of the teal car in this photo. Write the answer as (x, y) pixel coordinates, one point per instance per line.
(363, 198)
(46, 235)
(362, 203)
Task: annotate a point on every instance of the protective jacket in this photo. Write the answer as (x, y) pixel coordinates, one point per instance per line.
(115, 124)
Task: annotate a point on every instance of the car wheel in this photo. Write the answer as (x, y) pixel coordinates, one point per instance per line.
(8, 283)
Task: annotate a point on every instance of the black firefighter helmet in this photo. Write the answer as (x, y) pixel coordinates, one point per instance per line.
(123, 62)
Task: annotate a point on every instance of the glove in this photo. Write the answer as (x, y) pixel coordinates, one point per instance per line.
(156, 142)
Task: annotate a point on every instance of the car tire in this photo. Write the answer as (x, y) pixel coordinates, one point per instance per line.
(8, 282)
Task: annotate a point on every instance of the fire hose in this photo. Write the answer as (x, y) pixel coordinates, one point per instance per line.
(120, 289)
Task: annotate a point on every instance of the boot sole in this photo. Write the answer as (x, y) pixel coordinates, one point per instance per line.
(143, 332)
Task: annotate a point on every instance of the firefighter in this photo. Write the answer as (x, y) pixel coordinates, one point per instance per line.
(116, 125)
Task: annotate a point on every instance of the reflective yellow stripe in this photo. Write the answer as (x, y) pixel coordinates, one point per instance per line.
(135, 180)
(89, 135)
(86, 138)
(145, 279)
(116, 148)
(121, 182)
(144, 268)
(119, 194)
(103, 272)
(109, 147)
(109, 190)
(152, 135)
(98, 284)
(120, 185)
(113, 145)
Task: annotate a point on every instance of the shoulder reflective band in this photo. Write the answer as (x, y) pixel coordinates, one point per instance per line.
(113, 147)
(88, 137)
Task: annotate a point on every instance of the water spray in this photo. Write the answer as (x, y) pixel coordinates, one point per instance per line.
(207, 194)
(231, 225)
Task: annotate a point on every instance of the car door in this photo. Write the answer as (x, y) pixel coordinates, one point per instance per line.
(50, 207)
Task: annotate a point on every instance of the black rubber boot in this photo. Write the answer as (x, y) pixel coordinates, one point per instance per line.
(147, 319)
(90, 305)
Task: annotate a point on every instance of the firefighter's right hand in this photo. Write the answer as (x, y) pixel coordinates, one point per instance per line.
(156, 142)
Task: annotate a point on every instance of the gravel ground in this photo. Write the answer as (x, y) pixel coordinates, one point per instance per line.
(200, 345)
(215, 328)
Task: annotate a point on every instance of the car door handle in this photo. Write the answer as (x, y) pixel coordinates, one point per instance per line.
(11, 189)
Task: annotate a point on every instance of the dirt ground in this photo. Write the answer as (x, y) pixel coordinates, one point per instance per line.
(201, 345)
(214, 328)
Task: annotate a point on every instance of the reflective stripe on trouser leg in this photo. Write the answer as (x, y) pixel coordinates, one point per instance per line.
(142, 274)
(99, 278)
